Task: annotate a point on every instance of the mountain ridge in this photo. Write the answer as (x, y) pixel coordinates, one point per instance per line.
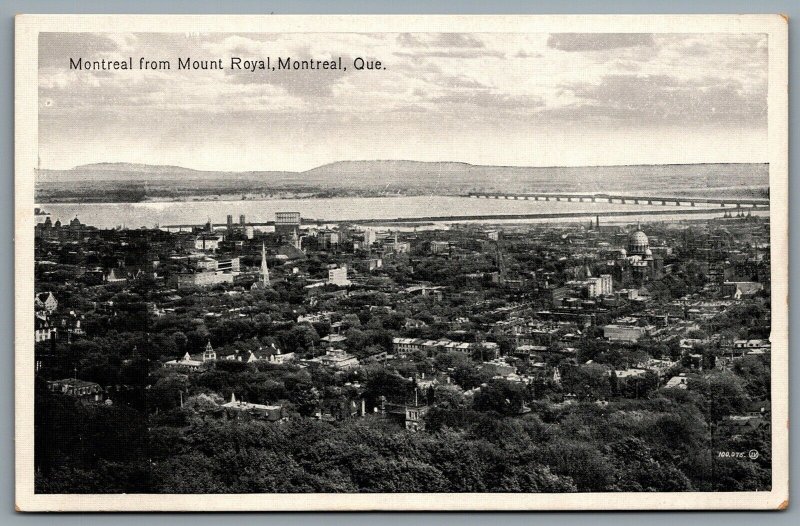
(131, 182)
(127, 166)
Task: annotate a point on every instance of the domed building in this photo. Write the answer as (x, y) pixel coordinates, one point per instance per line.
(638, 244)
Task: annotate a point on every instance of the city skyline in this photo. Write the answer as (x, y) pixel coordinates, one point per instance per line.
(561, 99)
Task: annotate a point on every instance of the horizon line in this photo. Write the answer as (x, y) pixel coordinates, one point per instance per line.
(389, 160)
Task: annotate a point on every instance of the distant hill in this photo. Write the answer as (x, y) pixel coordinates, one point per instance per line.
(136, 182)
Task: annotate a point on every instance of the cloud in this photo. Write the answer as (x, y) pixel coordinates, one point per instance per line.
(598, 41)
(452, 54)
(663, 99)
(475, 92)
(56, 48)
(491, 101)
(442, 40)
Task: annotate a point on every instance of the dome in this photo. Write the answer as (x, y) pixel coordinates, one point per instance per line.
(638, 238)
(638, 243)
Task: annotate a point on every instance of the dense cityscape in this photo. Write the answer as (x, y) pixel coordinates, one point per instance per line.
(526, 357)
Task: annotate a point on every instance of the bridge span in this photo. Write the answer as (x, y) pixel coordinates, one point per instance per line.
(626, 199)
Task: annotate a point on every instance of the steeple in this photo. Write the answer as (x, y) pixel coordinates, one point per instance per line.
(209, 353)
(264, 269)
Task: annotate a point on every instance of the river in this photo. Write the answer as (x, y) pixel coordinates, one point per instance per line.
(149, 214)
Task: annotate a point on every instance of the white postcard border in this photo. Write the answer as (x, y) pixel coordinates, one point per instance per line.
(26, 123)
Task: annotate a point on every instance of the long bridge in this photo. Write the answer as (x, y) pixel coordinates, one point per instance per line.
(481, 217)
(626, 199)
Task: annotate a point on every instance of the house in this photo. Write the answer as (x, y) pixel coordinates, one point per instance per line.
(116, 275)
(625, 374)
(410, 416)
(238, 409)
(80, 389)
(187, 362)
(281, 358)
(333, 339)
(338, 359)
(678, 382)
(46, 301)
(738, 289)
(43, 329)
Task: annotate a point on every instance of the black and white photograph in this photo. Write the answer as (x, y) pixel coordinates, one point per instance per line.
(463, 260)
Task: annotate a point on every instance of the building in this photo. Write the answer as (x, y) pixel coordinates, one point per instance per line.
(371, 264)
(327, 239)
(287, 222)
(185, 363)
(623, 333)
(370, 237)
(43, 329)
(209, 353)
(338, 276)
(739, 289)
(263, 273)
(403, 346)
(207, 271)
(606, 284)
(238, 409)
(281, 358)
(230, 265)
(338, 359)
(81, 389)
(440, 247)
(46, 301)
(593, 287)
(638, 243)
(410, 416)
(207, 242)
(678, 382)
(333, 339)
(188, 363)
(200, 279)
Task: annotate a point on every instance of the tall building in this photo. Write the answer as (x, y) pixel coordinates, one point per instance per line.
(230, 222)
(370, 237)
(338, 276)
(606, 284)
(287, 222)
(241, 220)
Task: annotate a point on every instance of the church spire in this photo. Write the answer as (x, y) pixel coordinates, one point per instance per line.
(264, 268)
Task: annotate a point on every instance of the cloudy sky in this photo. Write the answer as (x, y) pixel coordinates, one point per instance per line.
(504, 99)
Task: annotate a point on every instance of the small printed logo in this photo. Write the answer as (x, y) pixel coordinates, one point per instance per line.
(753, 454)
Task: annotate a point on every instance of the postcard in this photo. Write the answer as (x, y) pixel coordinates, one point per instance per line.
(401, 262)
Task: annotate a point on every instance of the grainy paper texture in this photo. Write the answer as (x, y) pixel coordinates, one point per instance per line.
(401, 262)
